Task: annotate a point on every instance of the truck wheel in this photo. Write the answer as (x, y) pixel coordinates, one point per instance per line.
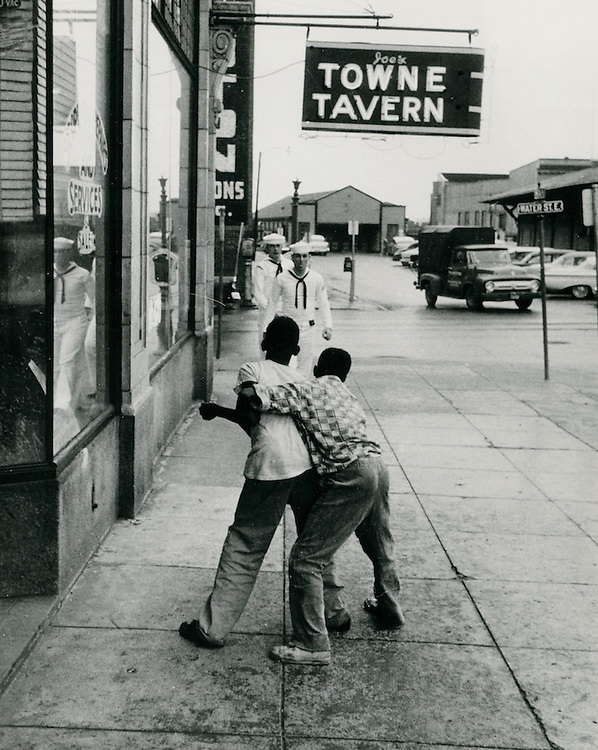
(523, 304)
(580, 292)
(473, 300)
(430, 297)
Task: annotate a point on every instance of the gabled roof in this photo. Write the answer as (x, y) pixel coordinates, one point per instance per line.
(282, 208)
(579, 178)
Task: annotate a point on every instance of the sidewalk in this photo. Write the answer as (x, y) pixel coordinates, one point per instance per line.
(493, 481)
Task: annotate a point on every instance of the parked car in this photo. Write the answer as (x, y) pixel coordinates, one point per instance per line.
(573, 273)
(518, 254)
(318, 245)
(400, 243)
(530, 255)
(404, 254)
(410, 257)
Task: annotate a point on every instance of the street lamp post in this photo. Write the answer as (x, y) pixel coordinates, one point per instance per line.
(257, 197)
(295, 211)
(162, 181)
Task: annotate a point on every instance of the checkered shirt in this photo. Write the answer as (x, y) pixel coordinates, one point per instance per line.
(331, 420)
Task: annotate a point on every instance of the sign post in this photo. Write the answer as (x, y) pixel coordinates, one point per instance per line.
(353, 228)
(595, 225)
(539, 207)
(543, 297)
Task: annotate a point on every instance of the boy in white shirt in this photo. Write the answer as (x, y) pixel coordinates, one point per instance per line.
(278, 470)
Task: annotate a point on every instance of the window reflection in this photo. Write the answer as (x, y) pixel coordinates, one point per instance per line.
(23, 166)
(74, 305)
(168, 174)
(81, 161)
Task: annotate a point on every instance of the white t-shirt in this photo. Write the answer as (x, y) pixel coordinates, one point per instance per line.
(277, 449)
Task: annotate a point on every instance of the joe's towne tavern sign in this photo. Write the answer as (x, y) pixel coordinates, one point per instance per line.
(393, 89)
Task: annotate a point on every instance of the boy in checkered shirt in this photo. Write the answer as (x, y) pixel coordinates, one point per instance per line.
(278, 471)
(354, 497)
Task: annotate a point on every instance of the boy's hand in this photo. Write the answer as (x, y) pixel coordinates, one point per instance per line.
(208, 410)
(327, 334)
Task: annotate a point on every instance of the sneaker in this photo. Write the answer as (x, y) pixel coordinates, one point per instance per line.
(191, 631)
(295, 655)
(339, 627)
(386, 610)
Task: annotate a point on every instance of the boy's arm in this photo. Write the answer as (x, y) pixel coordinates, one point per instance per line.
(291, 398)
(209, 410)
(243, 414)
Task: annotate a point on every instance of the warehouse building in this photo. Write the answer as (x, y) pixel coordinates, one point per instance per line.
(328, 213)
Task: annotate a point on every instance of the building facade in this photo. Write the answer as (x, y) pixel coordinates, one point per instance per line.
(573, 227)
(328, 213)
(466, 199)
(107, 248)
(458, 199)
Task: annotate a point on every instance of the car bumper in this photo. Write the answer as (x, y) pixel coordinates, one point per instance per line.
(504, 295)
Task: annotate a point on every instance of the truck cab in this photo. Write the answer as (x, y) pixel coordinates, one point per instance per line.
(466, 263)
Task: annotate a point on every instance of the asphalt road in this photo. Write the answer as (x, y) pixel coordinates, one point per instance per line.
(386, 301)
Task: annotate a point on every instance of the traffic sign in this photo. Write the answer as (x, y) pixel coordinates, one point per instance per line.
(539, 208)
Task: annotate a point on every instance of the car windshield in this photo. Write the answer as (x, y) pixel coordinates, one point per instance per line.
(519, 255)
(489, 257)
(571, 260)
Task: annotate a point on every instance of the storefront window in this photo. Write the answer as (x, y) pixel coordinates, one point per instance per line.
(168, 190)
(23, 214)
(80, 246)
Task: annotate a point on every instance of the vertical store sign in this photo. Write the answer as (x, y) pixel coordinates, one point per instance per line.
(233, 137)
(393, 89)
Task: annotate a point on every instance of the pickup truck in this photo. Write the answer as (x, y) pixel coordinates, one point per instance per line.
(466, 263)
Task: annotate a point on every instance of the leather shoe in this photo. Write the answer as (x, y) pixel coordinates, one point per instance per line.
(191, 631)
(292, 654)
(386, 610)
(339, 627)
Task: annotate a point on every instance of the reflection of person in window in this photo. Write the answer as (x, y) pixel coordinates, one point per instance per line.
(90, 336)
(71, 286)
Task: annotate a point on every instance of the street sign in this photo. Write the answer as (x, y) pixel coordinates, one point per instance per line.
(353, 227)
(539, 208)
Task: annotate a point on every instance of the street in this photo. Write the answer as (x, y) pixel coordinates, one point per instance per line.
(405, 327)
(492, 476)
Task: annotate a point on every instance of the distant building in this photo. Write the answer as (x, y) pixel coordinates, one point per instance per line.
(457, 198)
(464, 199)
(329, 212)
(565, 229)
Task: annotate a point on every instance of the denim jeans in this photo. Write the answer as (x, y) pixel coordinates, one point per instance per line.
(259, 511)
(353, 499)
